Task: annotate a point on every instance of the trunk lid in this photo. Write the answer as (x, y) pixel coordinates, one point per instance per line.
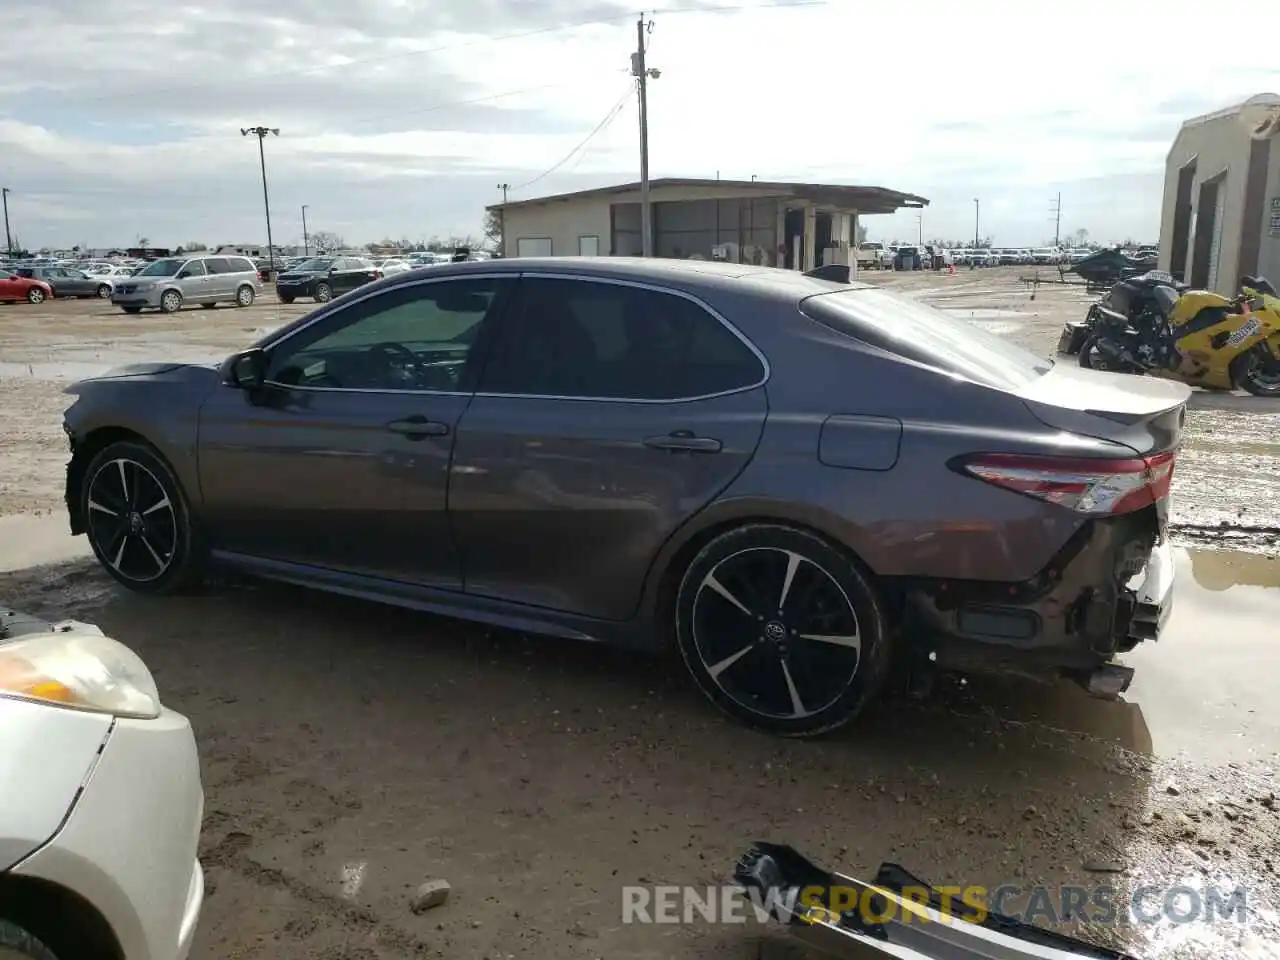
(1145, 414)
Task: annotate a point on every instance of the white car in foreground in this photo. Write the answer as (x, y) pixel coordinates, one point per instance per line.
(100, 802)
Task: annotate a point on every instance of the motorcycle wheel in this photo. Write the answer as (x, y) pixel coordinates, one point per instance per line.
(1262, 376)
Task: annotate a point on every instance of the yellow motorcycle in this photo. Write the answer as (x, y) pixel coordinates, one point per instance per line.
(1200, 338)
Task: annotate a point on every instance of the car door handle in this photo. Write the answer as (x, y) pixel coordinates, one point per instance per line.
(418, 427)
(684, 441)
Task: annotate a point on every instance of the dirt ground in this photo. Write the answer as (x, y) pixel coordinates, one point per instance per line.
(352, 752)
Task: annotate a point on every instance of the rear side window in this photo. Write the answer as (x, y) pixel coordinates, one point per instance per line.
(924, 334)
(218, 265)
(586, 339)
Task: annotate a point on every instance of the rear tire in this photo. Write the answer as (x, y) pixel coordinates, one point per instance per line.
(324, 293)
(104, 291)
(131, 309)
(139, 522)
(17, 944)
(781, 630)
(286, 299)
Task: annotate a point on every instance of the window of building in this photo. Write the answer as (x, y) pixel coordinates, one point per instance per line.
(588, 246)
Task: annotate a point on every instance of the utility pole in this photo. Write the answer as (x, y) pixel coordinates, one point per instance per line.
(643, 75)
(502, 218)
(261, 133)
(919, 230)
(975, 223)
(306, 246)
(1057, 219)
(8, 237)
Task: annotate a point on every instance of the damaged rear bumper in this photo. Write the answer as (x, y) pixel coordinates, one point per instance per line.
(896, 916)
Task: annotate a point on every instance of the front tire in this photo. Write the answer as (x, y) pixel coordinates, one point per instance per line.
(1262, 375)
(170, 301)
(781, 630)
(35, 295)
(139, 521)
(244, 296)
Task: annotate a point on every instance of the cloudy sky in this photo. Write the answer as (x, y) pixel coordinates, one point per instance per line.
(121, 119)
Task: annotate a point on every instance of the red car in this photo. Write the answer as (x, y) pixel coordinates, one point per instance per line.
(14, 287)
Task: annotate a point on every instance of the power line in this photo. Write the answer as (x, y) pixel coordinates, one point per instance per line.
(463, 44)
(599, 128)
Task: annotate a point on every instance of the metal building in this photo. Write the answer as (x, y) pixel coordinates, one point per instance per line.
(1220, 220)
(795, 225)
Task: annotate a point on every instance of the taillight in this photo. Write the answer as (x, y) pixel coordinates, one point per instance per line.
(1085, 485)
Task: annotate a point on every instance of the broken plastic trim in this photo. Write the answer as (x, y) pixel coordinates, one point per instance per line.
(937, 931)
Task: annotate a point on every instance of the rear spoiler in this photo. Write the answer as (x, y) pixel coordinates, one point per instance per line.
(943, 928)
(835, 272)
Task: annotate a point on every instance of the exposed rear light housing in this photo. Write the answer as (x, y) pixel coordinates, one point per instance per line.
(1093, 486)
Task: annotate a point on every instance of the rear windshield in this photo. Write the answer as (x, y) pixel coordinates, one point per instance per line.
(924, 334)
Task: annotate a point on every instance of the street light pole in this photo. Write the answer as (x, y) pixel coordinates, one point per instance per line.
(306, 247)
(975, 222)
(502, 218)
(261, 133)
(8, 238)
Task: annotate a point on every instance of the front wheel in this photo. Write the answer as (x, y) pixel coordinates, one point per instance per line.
(781, 630)
(35, 295)
(170, 301)
(138, 520)
(244, 296)
(1262, 375)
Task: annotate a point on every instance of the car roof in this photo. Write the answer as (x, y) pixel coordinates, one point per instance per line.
(687, 275)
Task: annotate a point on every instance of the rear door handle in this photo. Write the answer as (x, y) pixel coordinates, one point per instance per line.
(684, 441)
(418, 427)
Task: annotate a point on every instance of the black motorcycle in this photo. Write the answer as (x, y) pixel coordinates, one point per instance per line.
(1142, 301)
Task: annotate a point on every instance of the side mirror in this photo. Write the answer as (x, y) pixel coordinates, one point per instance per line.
(246, 370)
(183, 274)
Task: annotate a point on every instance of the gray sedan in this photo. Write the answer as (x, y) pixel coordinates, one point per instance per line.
(799, 483)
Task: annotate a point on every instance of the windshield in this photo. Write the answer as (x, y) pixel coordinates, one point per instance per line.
(924, 334)
(162, 268)
(315, 265)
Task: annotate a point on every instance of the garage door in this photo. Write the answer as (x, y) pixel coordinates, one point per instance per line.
(533, 247)
(1215, 245)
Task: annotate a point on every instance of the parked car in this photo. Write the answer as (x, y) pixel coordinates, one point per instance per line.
(323, 278)
(393, 266)
(586, 448)
(100, 801)
(171, 282)
(14, 287)
(1047, 255)
(65, 282)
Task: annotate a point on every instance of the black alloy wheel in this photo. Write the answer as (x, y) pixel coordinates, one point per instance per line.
(138, 520)
(781, 630)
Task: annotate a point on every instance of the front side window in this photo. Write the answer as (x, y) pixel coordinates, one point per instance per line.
(193, 268)
(579, 338)
(409, 338)
(162, 268)
(315, 265)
